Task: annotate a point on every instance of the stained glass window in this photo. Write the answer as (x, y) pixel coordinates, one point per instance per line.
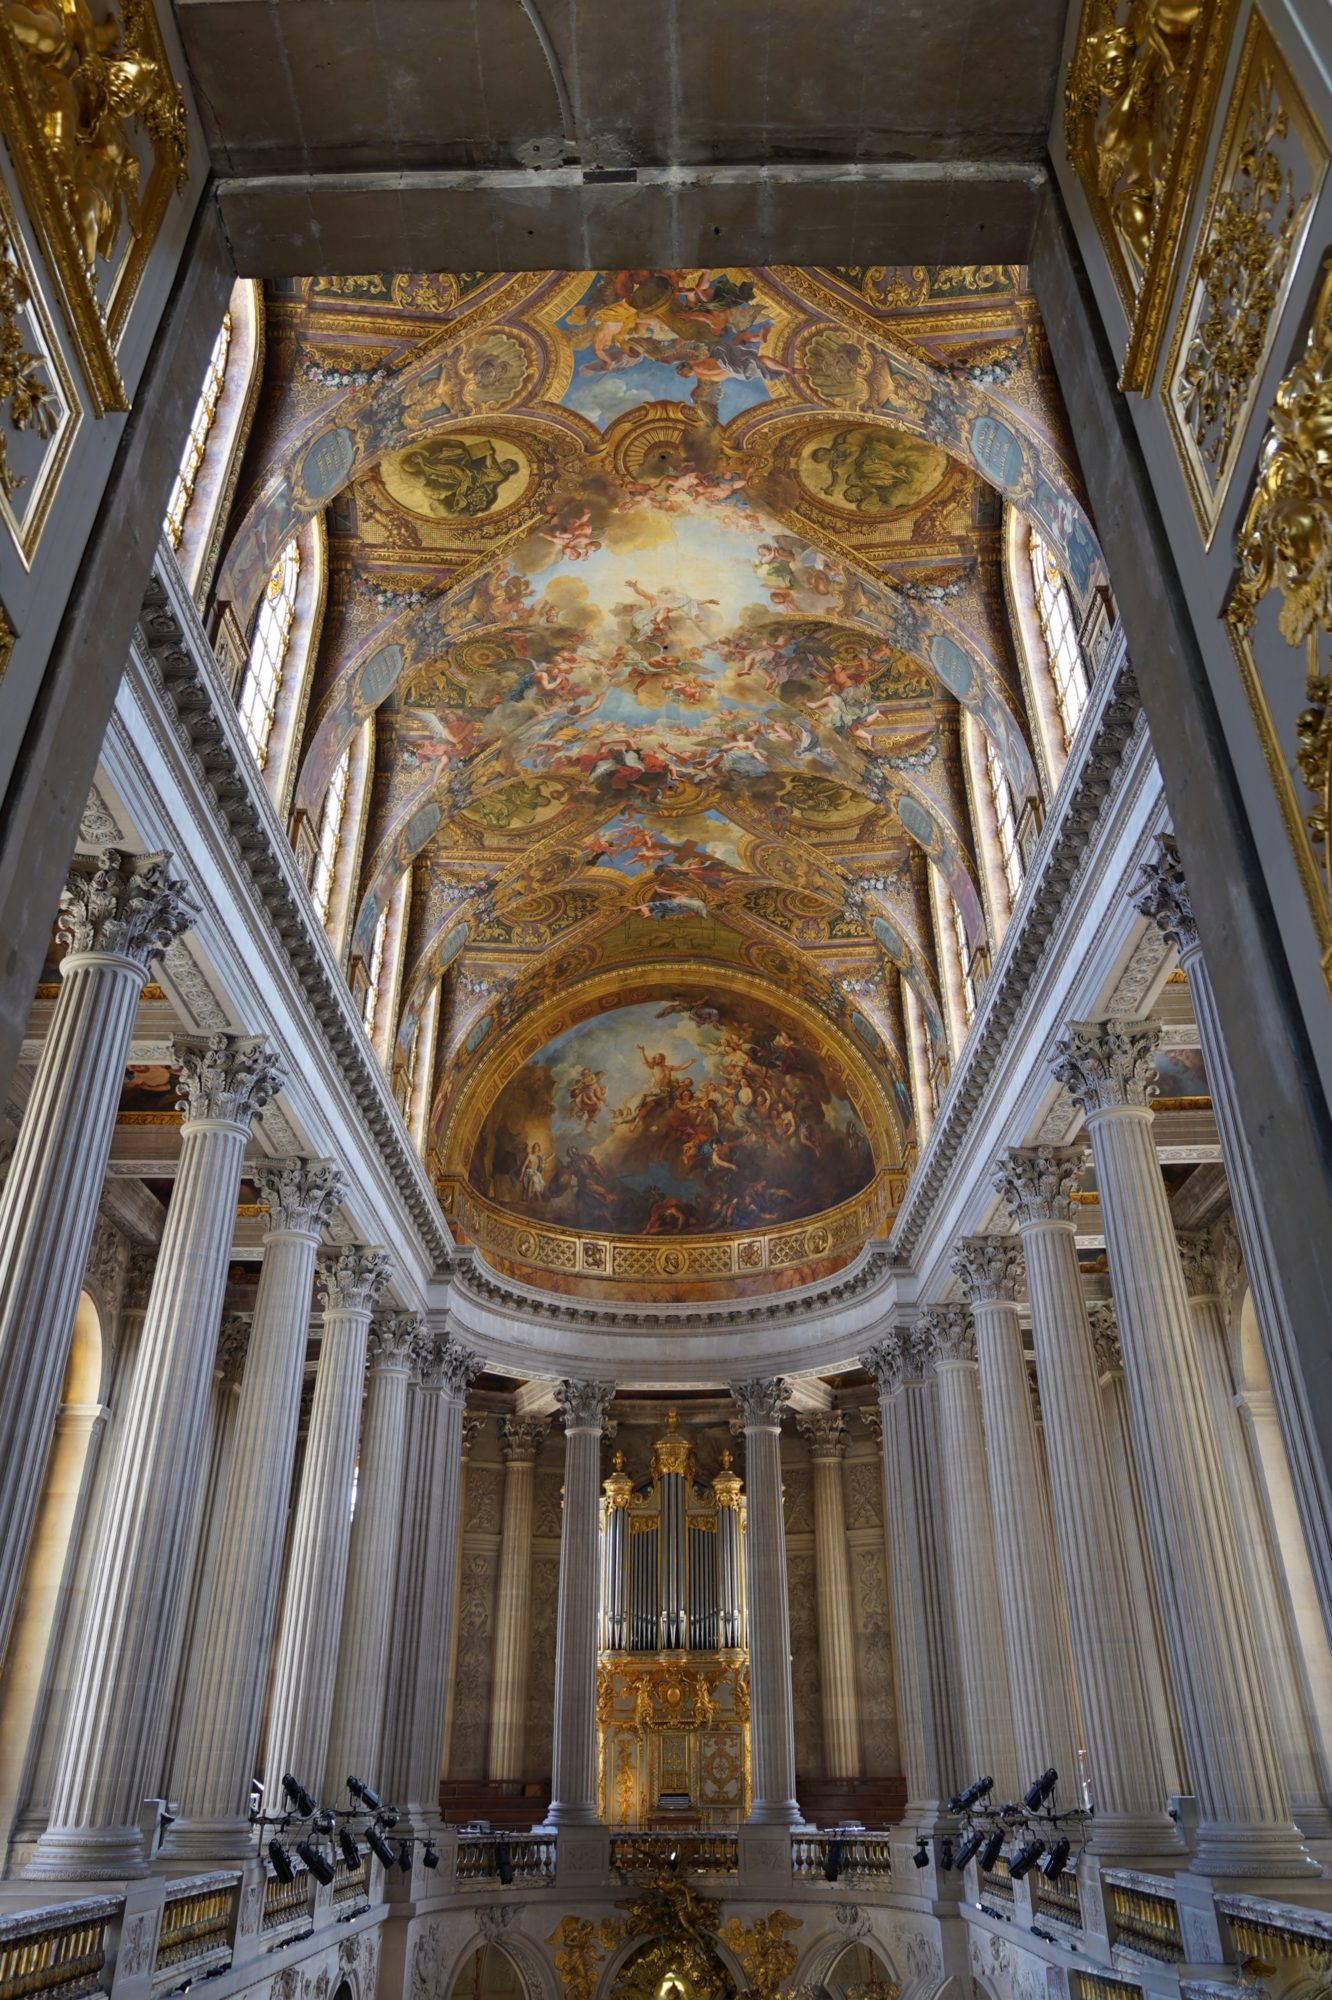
(1061, 640)
(196, 443)
(328, 840)
(262, 681)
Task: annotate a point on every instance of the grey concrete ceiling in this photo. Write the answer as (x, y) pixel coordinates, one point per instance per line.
(418, 123)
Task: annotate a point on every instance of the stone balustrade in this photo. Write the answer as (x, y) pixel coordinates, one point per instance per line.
(863, 1856)
(690, 1853)
(531, 1857)
(1143, 1917)
(61, 1953)
(198, 1922)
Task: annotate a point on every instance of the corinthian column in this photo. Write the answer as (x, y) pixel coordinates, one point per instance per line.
(1030, 1601)
(917, 1575)
(520, 1441)
(350, 1282)
(1163, 895)
(113, 1744)
(115, 921)
(771, 1706)
(825, 1433)
(427, 1565)
(220, 1732)
(1245, 1825)
(573, 1787)
(1124, 1767)
(986, 1699)
(356, 1732)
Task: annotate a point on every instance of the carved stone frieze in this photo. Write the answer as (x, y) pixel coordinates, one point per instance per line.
(98, 826)
(192, 989)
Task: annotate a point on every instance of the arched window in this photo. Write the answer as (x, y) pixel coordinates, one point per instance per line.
(963, 959)
(1055, 610)
(262, 681)
(375, 972)
(328, 840)
(1005, 815)
(201, 427)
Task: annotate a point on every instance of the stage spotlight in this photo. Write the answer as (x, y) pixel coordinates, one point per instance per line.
(295, 1793)
(993, 1848)
(1040, 1790)
(979, 1789)
(832, 1867)
(430, 1855)
(921, 1857)
(351, 1853)
(503, 1862)
(363, 1793)
(379, 1847)
(281, 1862)
(946, 1854)
(1056, 1860)
(318, 1864)
(969, 1849)
(405, 1856)
(1025, 1859)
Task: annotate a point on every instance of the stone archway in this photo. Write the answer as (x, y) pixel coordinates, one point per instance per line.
(672, 1968)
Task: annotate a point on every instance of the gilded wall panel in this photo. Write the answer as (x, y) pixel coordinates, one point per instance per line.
(39, 406)
(1270, 164)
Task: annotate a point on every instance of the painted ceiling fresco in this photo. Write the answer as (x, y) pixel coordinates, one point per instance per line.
(667, 591)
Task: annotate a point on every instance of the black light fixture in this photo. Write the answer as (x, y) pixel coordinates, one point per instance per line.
(405, 1856)
(1025, 1859)
(1056, 1860)
(351, 1853)
(503, 1862)
(832, 1866)
(946, 1857)
(978, 1789)
(993, 1848)
(318, 1864)
(430, 1855)
(280, 1861)
(970, 1848)
(379, 1847)
(921, 1857)
(363, 1793)
(295, 1794)
(1040, 1790)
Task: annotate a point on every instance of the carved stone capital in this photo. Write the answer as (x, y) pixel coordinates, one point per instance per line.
(1105, 1336)
(1108, 1065)
(989, 1268)
(1037, 1182)
(762, 1401)
(139, 1269)
(300, 1195)
(107, 1256)
(521, 1438)
(884, 1362)
(824, 1431)
(352, 1279)
(1197, 1255)
(227, 1077)
(127, 906)
(392, 1341)
(1162, 893)
(949, 1332)
(872, 1417)
(443, 1363)
(472, 1427)
(917, 1355)
(584, 1404)
(233, 1343)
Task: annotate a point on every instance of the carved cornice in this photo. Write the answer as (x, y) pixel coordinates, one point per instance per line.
(1162, 894)
(521, 1438)
(125, 906)
(185, 677)
(352, 1279)
(1104, 1323)
(1037, 1182)
(393, 1340)
(989, 1268)
(1063, 854)
(583, 1404)
(825, 1433)
(761, 1401)
(299, 1194)
(1107, 1065)
(949, 1334)
(225, 1077)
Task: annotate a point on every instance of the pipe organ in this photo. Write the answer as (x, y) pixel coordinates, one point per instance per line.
(673, 1679)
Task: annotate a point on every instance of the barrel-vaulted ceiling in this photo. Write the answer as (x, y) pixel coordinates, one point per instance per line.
(666, 591)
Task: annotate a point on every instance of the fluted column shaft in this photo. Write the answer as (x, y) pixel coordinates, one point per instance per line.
(307, 1652)
(771, 1704)
(220, 1739)
(826, 1436)
(574, 1748)
(1245, 1824)
(1124, 1767)
(520, 1441)
(985, 1696)
(115, 921)
(114, 1740)
(356, 1732)
(1030, 1600)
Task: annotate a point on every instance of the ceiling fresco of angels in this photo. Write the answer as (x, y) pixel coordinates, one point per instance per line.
(667, 593)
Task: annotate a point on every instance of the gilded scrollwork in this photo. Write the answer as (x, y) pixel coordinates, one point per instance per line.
(29, 400)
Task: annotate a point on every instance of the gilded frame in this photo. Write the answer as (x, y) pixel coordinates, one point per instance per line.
(25, 523)
(1260, 59)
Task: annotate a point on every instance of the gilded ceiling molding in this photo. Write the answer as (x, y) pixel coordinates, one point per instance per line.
(37, 394)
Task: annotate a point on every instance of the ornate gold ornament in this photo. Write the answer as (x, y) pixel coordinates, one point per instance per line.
(8, 640)
(31, 404)
(37, 396)
(97, 131)
(1270, 164)
(765, 1955)
(1137, 105)
(1285, 544)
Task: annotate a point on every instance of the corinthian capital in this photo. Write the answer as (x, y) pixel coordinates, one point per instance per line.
(233, 1344)
(949, 1333)
(227, 1077)
(351, 1280)
(128, 906)
(1037, 1182)
(300, 1195)
(989, 1268)
(1197, 1254)
(1163, 895)
(762, 1402)
(1105, 1337)
(824, 1431)
(521, 1438)
(1107, 1065)
(884, 1362)
(443, 1363)
(392, 1340)
(583, 1404)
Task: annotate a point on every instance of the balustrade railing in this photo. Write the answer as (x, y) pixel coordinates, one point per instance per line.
(1057, 1896)
(1143, 1917)
(198, 1920)
(351, 1885)
(58, 1952)
(855, 1855)
(1279, 1934)
(498, 1857)
(996, 1882)
(288, 1905)
(689, 1853)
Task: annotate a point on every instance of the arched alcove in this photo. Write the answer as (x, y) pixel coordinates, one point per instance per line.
(672, 1968)
(488, 1973)
(859, 1973)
